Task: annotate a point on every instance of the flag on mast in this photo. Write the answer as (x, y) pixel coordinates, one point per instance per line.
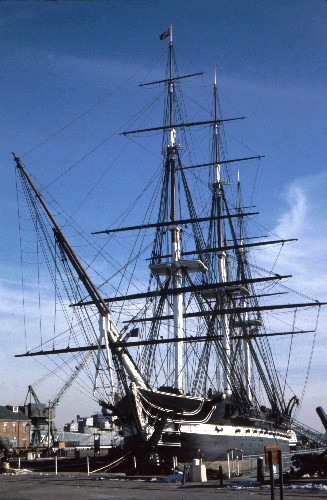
(165, 34)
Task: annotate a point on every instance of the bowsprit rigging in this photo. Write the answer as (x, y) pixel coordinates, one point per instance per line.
(203, 373)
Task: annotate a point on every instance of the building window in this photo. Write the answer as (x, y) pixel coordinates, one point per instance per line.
(5, 426)
(24, 427)
(24, 443)
(14, 427)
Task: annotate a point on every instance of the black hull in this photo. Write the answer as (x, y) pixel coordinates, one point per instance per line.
(214, 443)
(217, 449)
(212, 438)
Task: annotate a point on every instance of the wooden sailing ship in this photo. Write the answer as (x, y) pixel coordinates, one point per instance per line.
(200, 377)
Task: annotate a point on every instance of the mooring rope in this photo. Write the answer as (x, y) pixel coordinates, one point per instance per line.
(120, 459)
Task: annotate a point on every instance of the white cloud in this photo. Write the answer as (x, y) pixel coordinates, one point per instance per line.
(292, 221)
(304, 218)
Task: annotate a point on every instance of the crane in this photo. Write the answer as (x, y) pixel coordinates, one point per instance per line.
(38, 413)
(41, 414)
(71, 379)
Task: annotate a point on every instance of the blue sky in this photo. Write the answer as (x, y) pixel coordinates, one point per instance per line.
(69, 85)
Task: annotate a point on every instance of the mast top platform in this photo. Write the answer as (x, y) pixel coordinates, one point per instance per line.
(191, 266)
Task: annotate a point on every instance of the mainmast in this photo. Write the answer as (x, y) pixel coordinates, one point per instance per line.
(176, 272)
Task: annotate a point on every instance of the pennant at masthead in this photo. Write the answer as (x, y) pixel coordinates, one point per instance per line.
(165, 34)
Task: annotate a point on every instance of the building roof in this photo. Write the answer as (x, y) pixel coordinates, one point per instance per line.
(7, 414)
(106, 438)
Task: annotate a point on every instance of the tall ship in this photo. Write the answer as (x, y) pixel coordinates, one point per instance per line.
(182, 348)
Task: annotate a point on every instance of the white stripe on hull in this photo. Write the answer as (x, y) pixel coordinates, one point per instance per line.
(233, 430)
(214, 441)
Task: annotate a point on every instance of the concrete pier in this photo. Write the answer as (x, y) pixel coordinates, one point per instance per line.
(100, 486)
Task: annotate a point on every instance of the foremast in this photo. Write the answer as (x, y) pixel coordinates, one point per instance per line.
(222, 267)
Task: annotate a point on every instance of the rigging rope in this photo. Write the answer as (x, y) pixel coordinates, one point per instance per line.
(91, 108)
(21, 261)
(290, 351)
(309, 365)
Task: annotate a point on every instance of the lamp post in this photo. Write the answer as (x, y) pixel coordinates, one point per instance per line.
(49, 427)
(18, 446)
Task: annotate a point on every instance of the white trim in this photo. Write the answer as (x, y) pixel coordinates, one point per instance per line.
(237, 431)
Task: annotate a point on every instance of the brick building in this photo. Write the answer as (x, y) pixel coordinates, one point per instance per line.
(15, 426)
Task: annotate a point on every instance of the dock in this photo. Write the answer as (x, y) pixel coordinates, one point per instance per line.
(80, 485)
